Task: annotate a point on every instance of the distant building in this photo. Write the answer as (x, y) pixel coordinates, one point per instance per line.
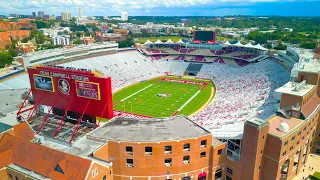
(87, 40)
(4, 40)
(52, 17)
(124, 16)
(40, 14)
(14, 15)
(34, 14)
(66, 16)
(18, 34)
(184, 20)
(80, 13)
(46, 17)
(61, 40)
(24, 47)
(109, 37)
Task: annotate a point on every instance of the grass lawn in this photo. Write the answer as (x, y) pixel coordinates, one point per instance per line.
(315, 176)
(154, 39)
(143, 98)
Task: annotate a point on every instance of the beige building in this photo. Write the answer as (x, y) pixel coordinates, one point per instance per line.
(66, 16)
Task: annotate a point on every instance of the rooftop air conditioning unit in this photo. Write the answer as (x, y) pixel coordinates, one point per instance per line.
(167, 164)
(186, 162)
(129, 165)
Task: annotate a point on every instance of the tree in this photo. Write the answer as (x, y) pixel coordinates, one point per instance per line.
(77, 41)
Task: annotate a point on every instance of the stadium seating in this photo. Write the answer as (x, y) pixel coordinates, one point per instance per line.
(241, 92)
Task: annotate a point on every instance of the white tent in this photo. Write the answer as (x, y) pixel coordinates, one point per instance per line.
(238, 44)
(148, 42)
(249, 45)
(169, 42)
(258, 46)
(227, 43)
(158, 42)
(180, 42)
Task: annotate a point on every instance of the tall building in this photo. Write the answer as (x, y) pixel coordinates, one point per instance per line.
(40, 14)
(34, 14)
(80, 13)
(124, 16)
(66, 16)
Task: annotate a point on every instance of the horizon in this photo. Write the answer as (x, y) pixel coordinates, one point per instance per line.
(220, 8)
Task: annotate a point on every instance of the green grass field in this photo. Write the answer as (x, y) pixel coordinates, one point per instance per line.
(142, 98)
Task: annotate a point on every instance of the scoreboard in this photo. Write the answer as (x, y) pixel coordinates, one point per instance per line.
(73, 88)
(204, 37)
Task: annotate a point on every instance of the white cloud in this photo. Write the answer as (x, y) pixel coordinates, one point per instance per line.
(112, 6)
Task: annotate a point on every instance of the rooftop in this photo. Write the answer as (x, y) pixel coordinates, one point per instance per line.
(309, 65)
(275, 124)
(311, 105)
(292, 89)
(148, 130)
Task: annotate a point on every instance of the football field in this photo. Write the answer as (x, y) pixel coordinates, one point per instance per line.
(160, 98)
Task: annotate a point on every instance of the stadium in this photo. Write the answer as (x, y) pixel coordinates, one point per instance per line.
(173, 110)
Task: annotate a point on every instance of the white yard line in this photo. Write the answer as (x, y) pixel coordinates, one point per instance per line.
(186, 103)
(136, 92)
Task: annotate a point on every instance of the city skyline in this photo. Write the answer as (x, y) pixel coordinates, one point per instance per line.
(167, 8)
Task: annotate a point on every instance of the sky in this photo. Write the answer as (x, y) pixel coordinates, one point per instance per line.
(164, 7)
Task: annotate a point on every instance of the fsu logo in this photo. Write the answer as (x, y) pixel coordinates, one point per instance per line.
(64, 86)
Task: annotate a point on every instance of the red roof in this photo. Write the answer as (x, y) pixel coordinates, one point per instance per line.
(41, 159)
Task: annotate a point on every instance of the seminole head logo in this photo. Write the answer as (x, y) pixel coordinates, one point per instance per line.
(64, 86)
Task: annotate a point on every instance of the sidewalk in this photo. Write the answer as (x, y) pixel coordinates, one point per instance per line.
(314, 162)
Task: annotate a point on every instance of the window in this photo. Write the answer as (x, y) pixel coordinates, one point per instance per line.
(229, 170)
(292, 139)
(228, 178)
(129, 162)
(298, 142)
(284, 153)
(186, 159)
(219, 151)
(58, 169)
(17, 178)
(302, 137)
(92, 173)
(299, 133)
(168, 162)
(203, 143)
(104, 177)
(285, 143)
(129, 150)
(186, 147)
(148, 150)
(202, 154)
(304, 128)
(168, 149)
(261, 152)
(10, 176)
(259, 167)
(263, 137)
(291, 148)
(96, 171)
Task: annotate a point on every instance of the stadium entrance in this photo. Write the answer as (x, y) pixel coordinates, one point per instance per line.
(193, 69)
